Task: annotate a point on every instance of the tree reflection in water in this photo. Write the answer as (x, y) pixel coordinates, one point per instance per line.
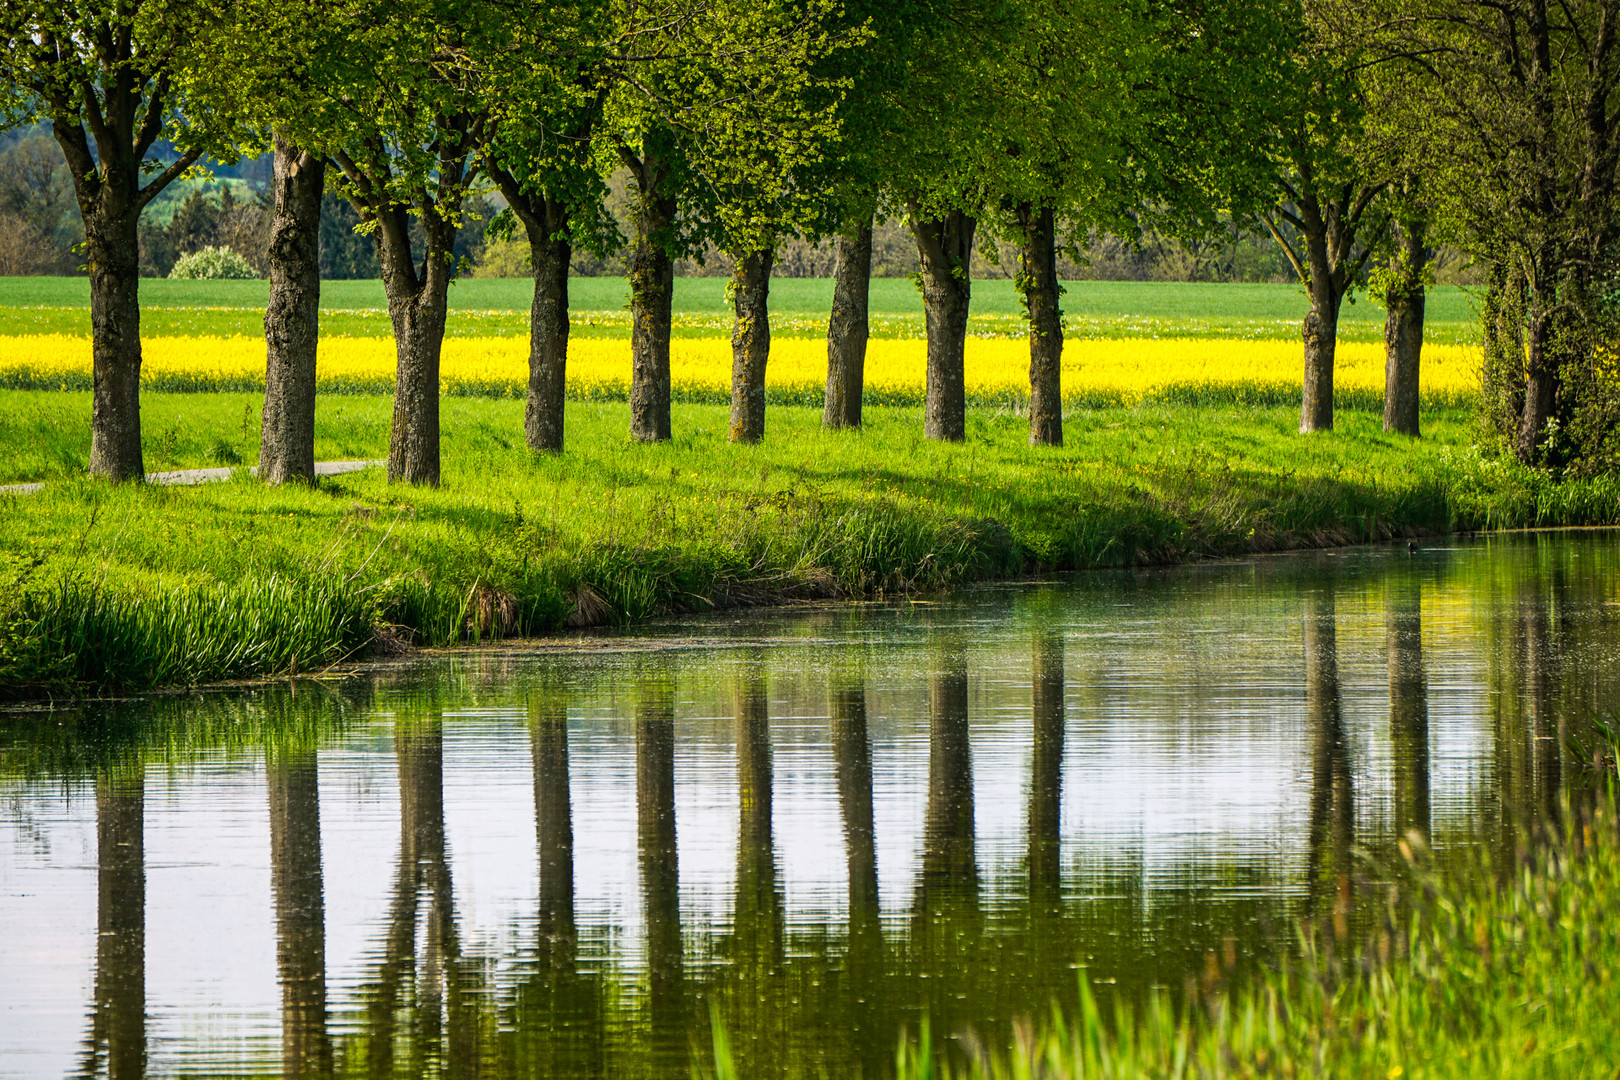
(118, 1020)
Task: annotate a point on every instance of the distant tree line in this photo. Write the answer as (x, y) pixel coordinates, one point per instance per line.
(1362, 137)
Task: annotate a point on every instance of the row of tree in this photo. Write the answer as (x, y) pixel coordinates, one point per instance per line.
(1357, 133)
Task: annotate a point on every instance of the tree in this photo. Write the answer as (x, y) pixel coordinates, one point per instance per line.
(1510, 109)
(714, 113)
(548, 103)
(401, 119)
(1327, 197)
(938, 175)
(1071, 149)
(850, 178)
(1284, 136)
(1401, 285)
(111, 77)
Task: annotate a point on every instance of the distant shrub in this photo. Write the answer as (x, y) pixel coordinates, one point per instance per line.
(214, 263)
(508, 258)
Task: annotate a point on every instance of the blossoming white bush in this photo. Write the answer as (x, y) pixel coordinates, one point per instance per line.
(212, 262)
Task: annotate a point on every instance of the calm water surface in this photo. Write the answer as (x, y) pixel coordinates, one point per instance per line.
(822, 825)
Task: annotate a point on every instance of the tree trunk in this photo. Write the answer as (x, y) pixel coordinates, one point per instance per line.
(750, 344)
(1540, 379)
(1403, 334)
(945, 247)
(652, 286)
(417, 306)
(847, 329)
(1038, 276)
(550, 252)
(1321, 334)
(112, 246)
(292, 318)
(413, 444)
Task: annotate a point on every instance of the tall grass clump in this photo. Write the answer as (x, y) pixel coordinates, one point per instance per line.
(75, 633)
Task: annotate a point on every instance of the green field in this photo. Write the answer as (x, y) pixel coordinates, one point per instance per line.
(484, 306)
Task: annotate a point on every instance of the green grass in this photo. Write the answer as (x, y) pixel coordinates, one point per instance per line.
(618, 531)
(799, 306)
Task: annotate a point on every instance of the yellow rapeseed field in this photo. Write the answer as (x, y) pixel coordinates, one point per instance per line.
(1122, 370)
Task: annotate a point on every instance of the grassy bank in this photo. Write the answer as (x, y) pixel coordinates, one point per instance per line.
(1500, 972)
(131, 586)
(499, 307)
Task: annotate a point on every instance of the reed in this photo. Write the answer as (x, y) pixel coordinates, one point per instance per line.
(1508, 969)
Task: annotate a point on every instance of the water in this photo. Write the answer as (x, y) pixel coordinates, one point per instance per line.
(822, 825)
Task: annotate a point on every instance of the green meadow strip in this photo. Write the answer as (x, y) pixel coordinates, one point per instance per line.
(806, 395)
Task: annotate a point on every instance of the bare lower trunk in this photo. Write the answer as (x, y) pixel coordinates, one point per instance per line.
(413, 444)
(945, 247)
(1403, 335)
(418, 303)
(1038, 266)
(1321, 334)
(750, 344)
(292, 318)
(652, 286)
(548, 337)
(113, 250)
(847, 329)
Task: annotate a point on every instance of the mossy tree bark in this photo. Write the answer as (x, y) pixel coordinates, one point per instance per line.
(652, 288)
(945, 248)
(848, 328)
(1403, 331)
(292, 317)
(546, 222)
(750, 344)
(1038, 281)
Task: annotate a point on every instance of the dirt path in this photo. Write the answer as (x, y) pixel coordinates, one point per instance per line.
(206, 476)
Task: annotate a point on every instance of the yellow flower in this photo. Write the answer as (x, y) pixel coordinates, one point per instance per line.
(1126, 370)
